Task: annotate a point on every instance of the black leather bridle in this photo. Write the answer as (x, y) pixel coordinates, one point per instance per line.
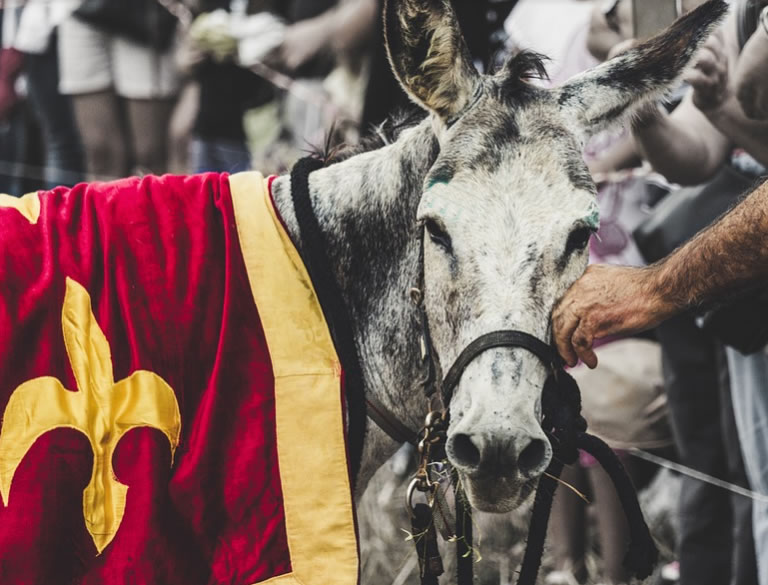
(561, 407)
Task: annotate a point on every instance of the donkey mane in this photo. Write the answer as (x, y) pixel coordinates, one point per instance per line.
(376, 137)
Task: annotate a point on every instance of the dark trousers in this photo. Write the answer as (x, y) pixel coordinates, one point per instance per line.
(715, 545)
(64, 158)
(13, 145)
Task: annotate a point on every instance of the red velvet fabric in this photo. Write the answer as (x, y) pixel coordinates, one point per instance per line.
(161, 261)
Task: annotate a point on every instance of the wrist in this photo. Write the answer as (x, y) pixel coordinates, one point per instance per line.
(662, 302)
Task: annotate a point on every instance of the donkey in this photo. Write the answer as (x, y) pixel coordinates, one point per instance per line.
(494, 175)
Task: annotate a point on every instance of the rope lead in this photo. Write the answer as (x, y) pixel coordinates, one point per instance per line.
(465, 554)
(566, 429)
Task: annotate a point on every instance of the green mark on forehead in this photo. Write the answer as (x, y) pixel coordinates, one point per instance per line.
(440, 175)
(436, 181)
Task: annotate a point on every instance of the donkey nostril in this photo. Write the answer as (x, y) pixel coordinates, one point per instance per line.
(464, 451)
(532, 457)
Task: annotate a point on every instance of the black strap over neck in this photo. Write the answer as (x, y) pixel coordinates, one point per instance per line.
(318, 265)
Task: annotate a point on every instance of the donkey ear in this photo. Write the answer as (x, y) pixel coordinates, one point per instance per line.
(604, 95)
(429, 55)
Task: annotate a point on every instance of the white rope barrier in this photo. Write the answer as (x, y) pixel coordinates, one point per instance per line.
(22, 170)
(704, 477)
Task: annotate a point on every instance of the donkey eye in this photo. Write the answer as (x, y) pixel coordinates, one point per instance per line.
(438, 235)
(578, 240)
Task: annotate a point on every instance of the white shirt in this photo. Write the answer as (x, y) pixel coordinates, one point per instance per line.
(30, 32)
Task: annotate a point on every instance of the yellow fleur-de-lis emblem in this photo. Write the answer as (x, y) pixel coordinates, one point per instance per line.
(100, 409)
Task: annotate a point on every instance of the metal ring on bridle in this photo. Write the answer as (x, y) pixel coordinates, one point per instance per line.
(421, 484)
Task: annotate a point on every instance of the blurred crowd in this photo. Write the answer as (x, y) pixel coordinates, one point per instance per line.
(100, 89)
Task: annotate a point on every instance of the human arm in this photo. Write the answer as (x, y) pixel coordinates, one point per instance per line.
(687, 146)
(614, 300)
(619, 156)
(684, 145)
(341, 29)
(716, 91)
(749, 134)
(606, 31)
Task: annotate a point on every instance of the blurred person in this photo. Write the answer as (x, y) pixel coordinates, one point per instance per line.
(123, 94)
(558, 29)
(722, 260)
(324, 46)
(342, 43)
(715, 543)
(226, 92)
(180, 127)
(323, 31)
(12, 122)
(708, 130)
(36, 38)
(690, 145)
(352, 27)
(751, 76)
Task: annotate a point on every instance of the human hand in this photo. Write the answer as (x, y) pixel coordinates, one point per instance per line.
(607, 300)
(302, 42)
(709, 77)
(751, 75)
(188, 55)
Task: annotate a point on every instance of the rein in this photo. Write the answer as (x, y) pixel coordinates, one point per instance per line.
(562, 420)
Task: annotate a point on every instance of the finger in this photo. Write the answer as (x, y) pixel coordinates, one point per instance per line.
(582, 341)
(716, 41)
(696, 76)
(700, 81)
(707, 61)
(590, 359)
(565, 323)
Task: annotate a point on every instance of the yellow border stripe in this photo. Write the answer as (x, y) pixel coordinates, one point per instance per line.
(311, 449)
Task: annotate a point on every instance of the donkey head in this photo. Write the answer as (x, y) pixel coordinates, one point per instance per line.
(509, 207)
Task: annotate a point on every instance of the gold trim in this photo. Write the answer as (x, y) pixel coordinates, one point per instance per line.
(311, 447)
(289, 579)
(28, 205)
